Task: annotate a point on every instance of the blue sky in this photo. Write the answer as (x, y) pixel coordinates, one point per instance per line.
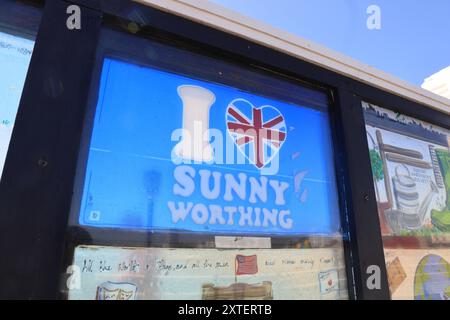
(413, 43)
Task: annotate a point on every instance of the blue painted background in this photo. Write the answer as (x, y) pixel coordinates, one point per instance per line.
(129, 177)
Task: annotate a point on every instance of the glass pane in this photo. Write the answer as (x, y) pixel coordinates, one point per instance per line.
(18, 26)
(411, 171)
(202, 179)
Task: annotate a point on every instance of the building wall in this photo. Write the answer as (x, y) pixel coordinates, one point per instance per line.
(439, 83)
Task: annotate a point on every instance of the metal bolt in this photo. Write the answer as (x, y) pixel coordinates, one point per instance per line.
(42, 163)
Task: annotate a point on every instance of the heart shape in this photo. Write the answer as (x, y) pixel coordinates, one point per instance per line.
(258, 133)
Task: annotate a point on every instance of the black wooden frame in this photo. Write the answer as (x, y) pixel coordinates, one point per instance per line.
(38, 178)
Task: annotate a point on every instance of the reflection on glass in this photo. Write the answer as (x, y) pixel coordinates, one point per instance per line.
(15, 55)
(411, 172)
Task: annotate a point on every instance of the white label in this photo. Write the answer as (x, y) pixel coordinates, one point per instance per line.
(243, 242)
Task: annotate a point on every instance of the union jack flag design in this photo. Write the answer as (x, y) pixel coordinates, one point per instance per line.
(259, 133)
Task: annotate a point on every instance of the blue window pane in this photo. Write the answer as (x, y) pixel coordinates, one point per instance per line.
(139, 176)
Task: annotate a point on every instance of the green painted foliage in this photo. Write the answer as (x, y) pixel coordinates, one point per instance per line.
(377, 165)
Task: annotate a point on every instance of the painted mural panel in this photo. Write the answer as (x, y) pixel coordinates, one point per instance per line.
(419, 274)
(169, 152)
(411, 171)
(173, 154)
(15, 56)
(106, 273)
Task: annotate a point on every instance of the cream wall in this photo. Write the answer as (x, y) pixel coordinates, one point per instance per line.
(439, 83)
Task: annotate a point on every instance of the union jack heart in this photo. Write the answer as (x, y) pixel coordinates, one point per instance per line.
(259, 133)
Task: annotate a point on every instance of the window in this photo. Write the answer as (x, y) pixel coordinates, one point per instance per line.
(410, 167)
(16, 47)
(203, 179)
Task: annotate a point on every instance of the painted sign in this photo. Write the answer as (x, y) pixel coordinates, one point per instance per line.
(419, 274)
(208, 274)
(411, 171)
(15, 55)
(173, 153)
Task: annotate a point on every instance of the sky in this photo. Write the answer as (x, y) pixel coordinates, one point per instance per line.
(412, 44)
